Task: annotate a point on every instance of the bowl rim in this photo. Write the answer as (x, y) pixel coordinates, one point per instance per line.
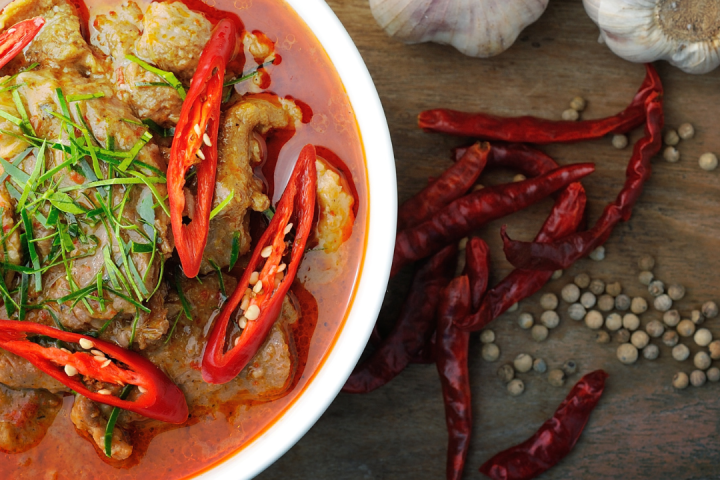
(349, 344)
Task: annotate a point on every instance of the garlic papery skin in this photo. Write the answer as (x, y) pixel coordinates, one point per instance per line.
(478, 28)
(686, 33)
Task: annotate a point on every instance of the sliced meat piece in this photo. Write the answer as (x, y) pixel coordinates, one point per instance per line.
(238, 152)
(91, 424)
(25, 416)
(60, 43)
(18, 373)
(173, 38)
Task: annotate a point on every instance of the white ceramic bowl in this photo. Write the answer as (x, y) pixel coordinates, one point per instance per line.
(324, 387)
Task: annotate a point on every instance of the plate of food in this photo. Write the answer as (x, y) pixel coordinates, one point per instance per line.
(186, 197)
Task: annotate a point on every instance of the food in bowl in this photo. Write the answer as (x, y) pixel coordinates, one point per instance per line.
(123, 251)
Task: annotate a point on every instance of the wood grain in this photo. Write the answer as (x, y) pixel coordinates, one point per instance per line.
(642, 428)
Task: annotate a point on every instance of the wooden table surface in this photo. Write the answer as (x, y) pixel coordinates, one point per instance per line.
(642, 428)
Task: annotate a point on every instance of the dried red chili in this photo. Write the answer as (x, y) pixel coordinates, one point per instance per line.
(564, 219)
(17, 37)
(563, 253)
(537, 130)
(461, 217)
(477, 261)
(413, 329)
(555, 438)
(160, 398)
(295, 208)
(195, 145)
(529, 161)
(451, 185)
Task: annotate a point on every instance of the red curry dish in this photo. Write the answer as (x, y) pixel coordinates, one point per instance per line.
(183, 204)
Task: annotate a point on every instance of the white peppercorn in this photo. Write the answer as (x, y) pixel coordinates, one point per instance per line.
(613, 288)
(670, 338)
(578, 104)
(627, 353)
(686, 131)
(622, 335)
(681, 380)
(594, 319)
(487, 336)
(671, 137)
(676, 291)
(601, 336)
(703, 337)
(640, 339)
(702, 360)
(506, 373)
(656, 287)
(631, 322)
(549, 301)
(539, 333)
(697, 317)
(569, 367)
(570, 115)
(605, 302)
(613, 322)
(697, 378)
(710, 309)
(490, 352)
(556, 377)
(622, 302)
(513, 308)
(597, 286)
(671, 154)
(619, 141)
(714, 349)
(598, 254)
(713, 374)
(550, 319)
(570, 293)
(576, 311)
(671, 318)
(582, 280)
(655, 328)
(523, 363)
(638, 305)
(516, 387)
(645, 277)
(651, 352)
(686, 328)
(588, 300)
(662, 303)
(539, 365)
(680, 352)
(708, 161)
(557, 274)
(526, 320)
(646, 262)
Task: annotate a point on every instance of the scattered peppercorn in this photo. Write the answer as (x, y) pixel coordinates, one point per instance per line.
(681, 381)
(539, 333)
(576, 311)
(557, 274)
(597, 286)
(578, 104)
(598, 254)
(714, 349)
(614, 289)
(556, 377)
(631, 322)
(513, 308)
(570, 115)
(697, 317)
(686, 328)
(662, 303)
(550, 319)
(680, 352)
(582, 280)
(708, 161)
(613, 322)
(549, 301)
(570, 293)
(594, 319)
(651, 352)
(487, 336)
(645, 277)
(506, 373)
(640, 339)
(676, 291)
(697, 378)
(606, 303)
(588, 300)
(655, 328)
(539, 365)
(656, 288)
(686, 131)
(671, 137)
(526, 320)
(671, 154)
(490, 352)
(710, 309)
(627, 353)
(619, 141)
(622, 335)
(622, 302)
(638, 305)
(670, 338)
(713, 374)
(703, 337)
(702, 360)
(601, 336)
(646, 262)
(516, 387)
(523, 363)
(569, 367)
(671, 318)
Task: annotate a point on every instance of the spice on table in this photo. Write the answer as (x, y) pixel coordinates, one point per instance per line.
(663, 303)
(651, 352)
(671, 318)
(555, 438)
(631, 322)
(594, 319)
(597, 286)
(557, 274)
(697, 378)
(539, 333)
(523, 363)
(710, 309)
(622, 335)
(671, 338)
(713, 374)
(526, 321)
(671, 154)
(686, 328)
(671, 137)
(556, 377)
(576, 311)
(645, 277)
(477, 262)
(702, 360)
(676, 291)
(714, 349)
(708, 161)
(646, 262)
(598, 254)
(656, 288)
(627, 353)
(490, 352)
(570, 293)
(655, 328)
(638, 305)
(613, 289)
(606, 303)
(680, 380)
(588, 300)
(549, 301)
(622, 302)
(619, 141)
(639, 339)
(582, 280)
(686, 131)
(506, 373)
(487, 336)
(613, 322)
(570, 115)
(550, 319)
(680, 352)
(601, 336)
(539, 365)
(569, 367)
(697, 317)
(578, 104)
(516, 387)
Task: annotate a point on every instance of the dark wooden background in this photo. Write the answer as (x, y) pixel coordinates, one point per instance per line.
(642, 429)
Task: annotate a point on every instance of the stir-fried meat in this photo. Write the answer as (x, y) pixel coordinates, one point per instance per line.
(90, 423)
(60, 43)
(18, 373)
(238, 152)
(25, 416)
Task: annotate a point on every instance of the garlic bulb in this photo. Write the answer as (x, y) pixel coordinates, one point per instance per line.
(686, 33)
(479, 28)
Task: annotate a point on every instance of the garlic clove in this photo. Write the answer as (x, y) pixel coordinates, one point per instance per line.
(478, 28)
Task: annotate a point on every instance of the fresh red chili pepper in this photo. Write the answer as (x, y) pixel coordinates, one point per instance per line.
(564, 252)
(413, 329)
(296, 206)
(17, 37)
(161, 400)
(461, 217)
(564, 219)
(555, 438)
(451, 185)
(452, 363)
(200, 116)
(537, 130)
(477, 261)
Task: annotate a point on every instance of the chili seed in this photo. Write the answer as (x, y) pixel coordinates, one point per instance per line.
(506, 373)
(651, 352)
(681, 381)
(242, 323)
(710, 309)
(254, 278)
(289, 227)
(614, 289)
(713, 374)
(638, 305)
(671, 338)
(680, 352)
(576, 311)
(655, 328)
(198, 132)
(549, 301)
(631, 322)
(523, 363)
(550, 319)
(708, 161)
(597, 286)
(98, 358)
(570, 293)
(266, 252)
(598, 254)
(570, 115)
(490, 352)
(582, 280)
(627, 353)
(601, 336)
(66, 350)
(645, 277)
(106, 364)
(714, 349)
(613, 322)
(539, 333)
(640, 339)
(206, 140)
(200, 154)
(703, 337)
(70, 371)
(702, 360)
(697, 317)
(258, 287)
(281, 268)
(671, 138)
(594, 319)
(578, 104)
(646, 262)
(556, 377)
(622, 335)
(86, 344)
(697, 378)
(569, 367)
(245, 304)
(671, 318)
(606, 303)
(539, 365)
(487, 336)
(686, 328)
(656, 288)
(686, 131)
(622, 302)
(525, 320)
(671, 154)
(588, 300)
(676, 291)
(619, 141)
(516, 387)
(97, 353)
(663, 303)
(104, 391)
(253, 312)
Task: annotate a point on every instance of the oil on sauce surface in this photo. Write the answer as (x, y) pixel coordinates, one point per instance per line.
(305, 74)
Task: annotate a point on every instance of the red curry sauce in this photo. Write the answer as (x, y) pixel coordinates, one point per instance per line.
(324, 289)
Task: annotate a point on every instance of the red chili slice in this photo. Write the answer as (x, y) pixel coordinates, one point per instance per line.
(161, 398)
(17, 37)
(296, 206)
(199, 122)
